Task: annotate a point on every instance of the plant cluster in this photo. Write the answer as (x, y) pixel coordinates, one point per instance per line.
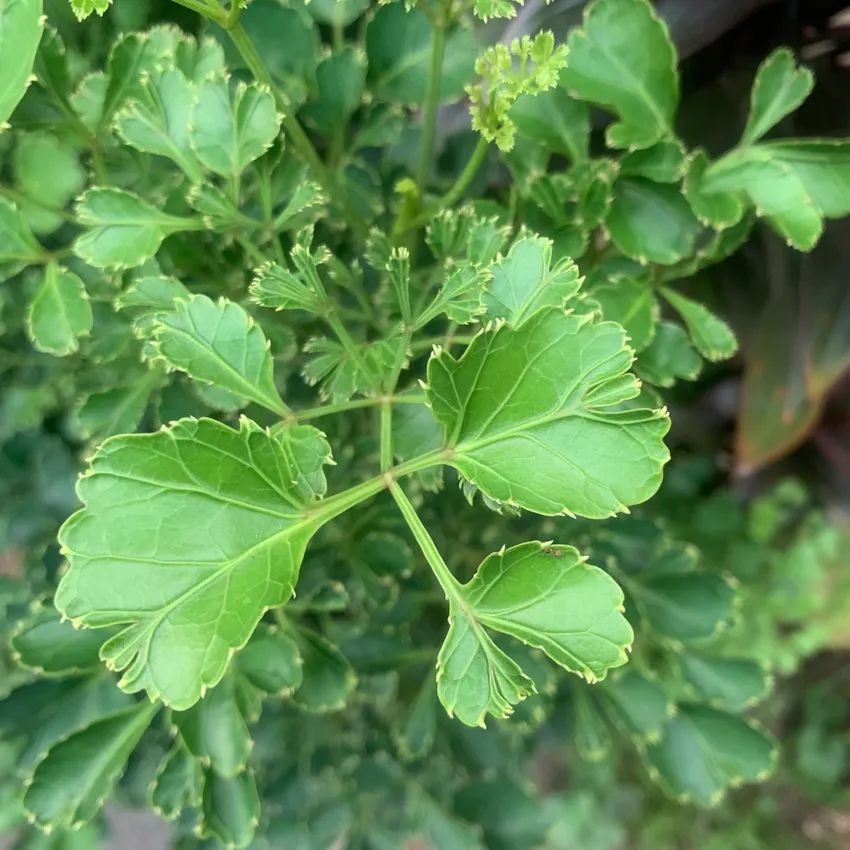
(237, 244)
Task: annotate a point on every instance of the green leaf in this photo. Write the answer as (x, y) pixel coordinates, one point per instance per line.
(460, 296)
(340, 81)
(439, 827)
(651, 222)
(280, 289)
(205, 512)
(218, 343)
(711, 336)
(732, 683)
(638, 705)
(147, 295)
(48, 172)
(178, 784)
(525, 281)
(690, 606)
(215, 731)
(664, 162)
(46, 643)
(417, 727)
(717, 210)
(631, 303)
(669, 357)
(779, 89)
(337, 12)
(340, 376)
(543, 595)
(705, 751)
(399, 47)
(21, 25)
(417, 432)
(557, 120)
(794, 184)
(231, 127)
(69, 786)
(526, 418)
(230, 807)
(591, 733)
(59, 313)
(48, 718)
(271, 662)
(327, 676)
(622, 58)
(157, 121)
(83, 8)
(123, 230)
(17, 244)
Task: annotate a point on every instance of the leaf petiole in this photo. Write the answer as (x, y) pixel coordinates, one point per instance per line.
(354, 404)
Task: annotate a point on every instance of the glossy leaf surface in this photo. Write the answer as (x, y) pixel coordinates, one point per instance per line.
(218, 517)
(527, 430)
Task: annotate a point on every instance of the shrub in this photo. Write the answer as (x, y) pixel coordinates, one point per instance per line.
(262, 244)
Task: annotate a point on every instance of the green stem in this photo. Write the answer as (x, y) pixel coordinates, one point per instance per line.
(201, 8)
(333, 506)
(294, 130)
(454, 194)
(354, 404)
(386, 436)
(429, 119)
(233, 15)
(451, 586)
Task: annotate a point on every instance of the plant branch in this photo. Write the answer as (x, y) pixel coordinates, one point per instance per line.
(333, 506)
(201, 7)
(386, 436)
(429, 119)
(451, 586)
(354, 404)
(294, 130)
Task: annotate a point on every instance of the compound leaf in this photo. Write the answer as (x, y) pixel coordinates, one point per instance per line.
(230, 808)
(731, 683)
(59, 313)
(528, 420)
(215, 731)
(779, 89)
(711, 336)
(69, 786)
(217, 522)
(638, 705)
(327, 676)
(664, 162)
(652, 222)
(459, 297)
(178, 784)
(622, 58)
(157, 120)
(271, 662)
(543, 595)
(669, 357)
(50, 645)
(524, 281)
(21, 26)
(117, 410)
(123, 230)
(84, 8)
(719, 210)
(152, 294)
(416, 432)
(231, 127)
(705, 751)
(631, 303)
(218, 343)
(689, 606)
(414, 735)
